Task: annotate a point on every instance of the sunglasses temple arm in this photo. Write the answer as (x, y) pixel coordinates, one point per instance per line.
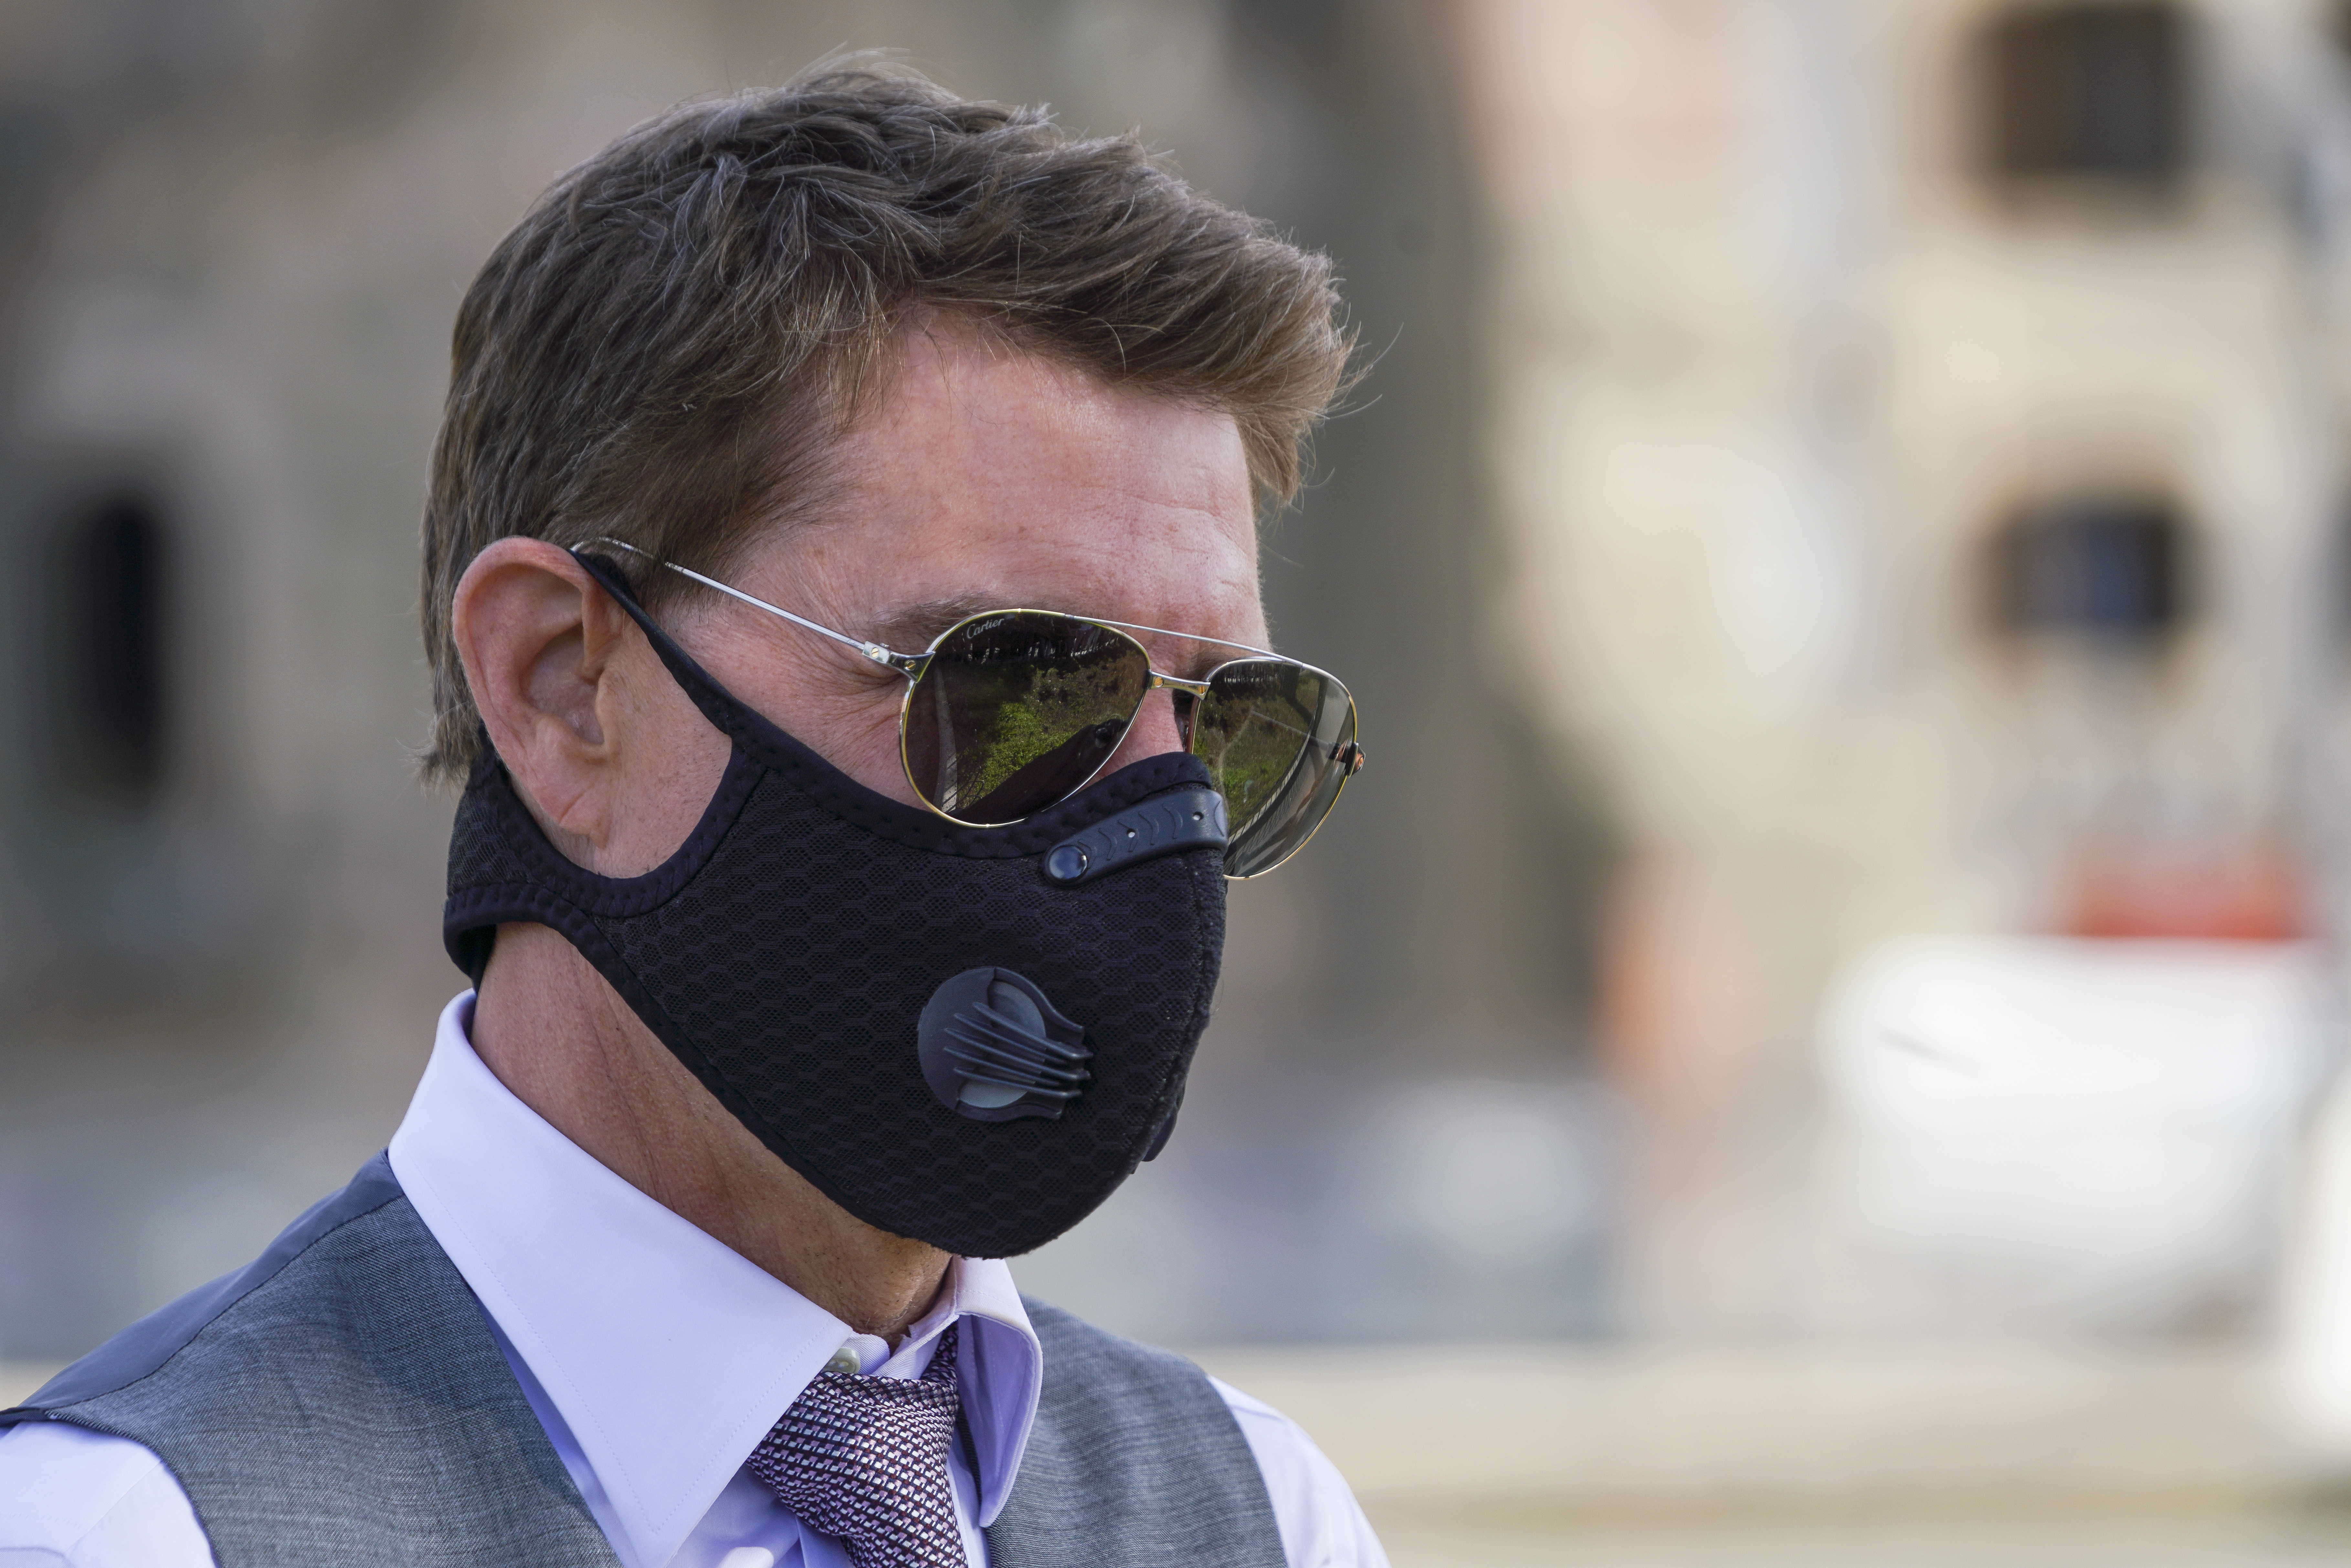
(907, 665)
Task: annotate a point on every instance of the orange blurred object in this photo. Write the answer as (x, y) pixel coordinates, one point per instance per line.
(2247, 898)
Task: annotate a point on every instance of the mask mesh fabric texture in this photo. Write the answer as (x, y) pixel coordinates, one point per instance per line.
(786, 952)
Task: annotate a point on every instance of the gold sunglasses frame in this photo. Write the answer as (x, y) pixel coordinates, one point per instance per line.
(913, 667)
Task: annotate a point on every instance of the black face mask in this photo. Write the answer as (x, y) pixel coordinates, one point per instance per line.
(968, 1035)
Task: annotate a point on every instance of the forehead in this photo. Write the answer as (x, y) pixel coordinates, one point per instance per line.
(985, 477)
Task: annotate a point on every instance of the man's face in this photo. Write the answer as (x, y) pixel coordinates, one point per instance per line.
(986, 479)
(989, 479)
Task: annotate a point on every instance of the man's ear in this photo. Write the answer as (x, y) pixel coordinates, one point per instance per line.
(538, 638)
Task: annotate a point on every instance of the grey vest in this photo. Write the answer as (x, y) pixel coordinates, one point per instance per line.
(340, 1399)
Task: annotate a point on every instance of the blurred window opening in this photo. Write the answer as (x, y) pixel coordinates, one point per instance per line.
(111, 690)
(2112, 568)
(2088, 92)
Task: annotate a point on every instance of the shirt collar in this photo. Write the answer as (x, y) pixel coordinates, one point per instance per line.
(669, 1354)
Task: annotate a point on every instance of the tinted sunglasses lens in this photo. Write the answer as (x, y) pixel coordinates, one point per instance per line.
(1017, 710)
(1279, 738)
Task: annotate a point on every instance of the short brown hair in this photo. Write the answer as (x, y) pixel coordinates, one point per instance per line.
(673, 340)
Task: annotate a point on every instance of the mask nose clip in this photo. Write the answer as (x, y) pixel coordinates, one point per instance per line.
(1187, 818)
(992, 1048)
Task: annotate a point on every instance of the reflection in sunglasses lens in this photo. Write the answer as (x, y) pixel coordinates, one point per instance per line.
(1018, 710)
(1275, 734)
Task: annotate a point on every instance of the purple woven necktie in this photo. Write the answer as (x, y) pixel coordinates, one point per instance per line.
(865, 1458)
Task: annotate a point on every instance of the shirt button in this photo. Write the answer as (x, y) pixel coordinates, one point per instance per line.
(844, 1360)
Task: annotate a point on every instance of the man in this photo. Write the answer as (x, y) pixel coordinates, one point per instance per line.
(841, 587)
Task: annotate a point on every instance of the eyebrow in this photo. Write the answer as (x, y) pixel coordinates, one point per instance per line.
(917, 626)
(939, 614)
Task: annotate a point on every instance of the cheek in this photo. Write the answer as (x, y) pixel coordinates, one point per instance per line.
(855, 730)
(869, 752)
(843, 715)
(670, 760)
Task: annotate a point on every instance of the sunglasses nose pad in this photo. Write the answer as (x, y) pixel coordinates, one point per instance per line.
(1185, 705)
(1153, 730)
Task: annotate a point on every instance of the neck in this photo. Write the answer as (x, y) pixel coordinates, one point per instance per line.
(559, 1037)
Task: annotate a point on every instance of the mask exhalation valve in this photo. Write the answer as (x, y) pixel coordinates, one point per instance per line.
(994, 1048)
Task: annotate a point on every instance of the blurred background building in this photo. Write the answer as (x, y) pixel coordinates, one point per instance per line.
(1844, 554)
(1921, 428)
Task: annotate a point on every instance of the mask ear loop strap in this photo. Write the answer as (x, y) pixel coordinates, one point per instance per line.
(717, 703)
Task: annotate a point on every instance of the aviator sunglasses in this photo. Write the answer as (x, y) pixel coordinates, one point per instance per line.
(1011, 711)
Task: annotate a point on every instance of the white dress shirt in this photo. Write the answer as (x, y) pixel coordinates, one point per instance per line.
(656, 1357)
